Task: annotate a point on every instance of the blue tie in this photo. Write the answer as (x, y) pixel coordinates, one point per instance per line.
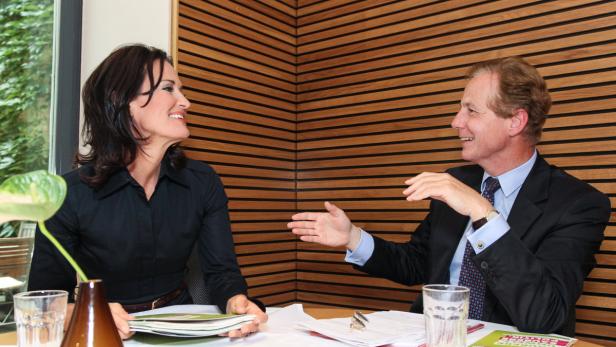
(469, 273)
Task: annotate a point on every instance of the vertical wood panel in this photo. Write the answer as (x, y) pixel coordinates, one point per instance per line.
(237, 63)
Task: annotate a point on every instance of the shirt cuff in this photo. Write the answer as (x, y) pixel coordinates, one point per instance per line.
(483, 237)
(364, 250)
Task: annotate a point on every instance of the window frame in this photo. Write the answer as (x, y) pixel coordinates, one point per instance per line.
(66, 78)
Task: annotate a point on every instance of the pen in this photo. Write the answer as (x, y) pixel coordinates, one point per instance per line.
(361, 316)
(470, 329)
(474, 328)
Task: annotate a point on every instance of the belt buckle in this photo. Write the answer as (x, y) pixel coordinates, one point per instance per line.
(155, 303)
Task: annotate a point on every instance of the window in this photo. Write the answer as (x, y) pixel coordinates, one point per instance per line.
(40, 42)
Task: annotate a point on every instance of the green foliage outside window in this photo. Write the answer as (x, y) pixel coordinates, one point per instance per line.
(26, 33)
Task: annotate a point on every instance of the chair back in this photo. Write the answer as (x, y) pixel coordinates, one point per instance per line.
(15, 257)
(194, 279)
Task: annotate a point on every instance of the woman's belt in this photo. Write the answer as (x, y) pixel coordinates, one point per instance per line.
(158, 302)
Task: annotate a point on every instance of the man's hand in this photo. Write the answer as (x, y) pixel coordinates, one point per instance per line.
(444, 187)
(332, 228)
(239, 304)
(121, 318)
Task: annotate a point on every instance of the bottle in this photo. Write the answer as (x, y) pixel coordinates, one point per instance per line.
(92, 323)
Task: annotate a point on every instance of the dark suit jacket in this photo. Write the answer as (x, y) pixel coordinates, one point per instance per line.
(535, 272)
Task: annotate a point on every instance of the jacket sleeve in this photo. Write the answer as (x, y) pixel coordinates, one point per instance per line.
(539, 287)
(404, 263)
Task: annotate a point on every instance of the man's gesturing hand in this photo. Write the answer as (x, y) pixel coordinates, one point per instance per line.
(446, 188)
(332, 228)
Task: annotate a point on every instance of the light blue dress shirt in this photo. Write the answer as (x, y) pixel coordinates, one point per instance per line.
(482, 238)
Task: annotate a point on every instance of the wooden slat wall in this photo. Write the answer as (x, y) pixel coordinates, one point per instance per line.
(378, 85)
(237, 62)
(342, 100)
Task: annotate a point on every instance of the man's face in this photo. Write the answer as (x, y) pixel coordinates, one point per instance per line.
(483, 134)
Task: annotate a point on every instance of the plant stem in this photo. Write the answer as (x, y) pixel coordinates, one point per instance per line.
(82, 275)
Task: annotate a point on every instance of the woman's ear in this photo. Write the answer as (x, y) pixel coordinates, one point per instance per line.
(518, 121)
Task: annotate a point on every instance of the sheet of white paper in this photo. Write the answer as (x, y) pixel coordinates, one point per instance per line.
(384, 327)
(283, 320)
(7, 282)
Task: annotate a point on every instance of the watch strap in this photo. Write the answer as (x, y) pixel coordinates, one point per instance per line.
(482, 221)
(479, 223)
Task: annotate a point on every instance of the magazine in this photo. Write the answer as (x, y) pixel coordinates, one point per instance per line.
(510, 338)
(188, 324)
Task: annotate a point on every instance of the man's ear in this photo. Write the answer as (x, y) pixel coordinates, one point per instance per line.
(518, 122)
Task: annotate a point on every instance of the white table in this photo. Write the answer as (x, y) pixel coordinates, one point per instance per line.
(279, 331)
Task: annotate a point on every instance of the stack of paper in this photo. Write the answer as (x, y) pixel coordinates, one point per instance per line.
(383, 328)
(188, 324)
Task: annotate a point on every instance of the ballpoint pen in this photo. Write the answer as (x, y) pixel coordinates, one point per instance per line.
(358, 321)
(473, 328)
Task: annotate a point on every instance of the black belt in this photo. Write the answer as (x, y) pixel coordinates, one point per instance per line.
(158, 302)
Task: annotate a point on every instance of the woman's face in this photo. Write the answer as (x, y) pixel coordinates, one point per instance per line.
(162, 121)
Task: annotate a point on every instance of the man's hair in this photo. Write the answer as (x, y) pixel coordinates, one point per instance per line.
(519, 86)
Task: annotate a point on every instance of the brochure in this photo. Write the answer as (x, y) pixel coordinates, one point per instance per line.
(510, 338)
(188, 324)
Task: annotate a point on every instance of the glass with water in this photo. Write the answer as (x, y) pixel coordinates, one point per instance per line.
(445, 314)
(39, 316)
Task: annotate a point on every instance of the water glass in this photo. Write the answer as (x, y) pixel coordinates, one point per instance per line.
(39, 316)
(445, 314)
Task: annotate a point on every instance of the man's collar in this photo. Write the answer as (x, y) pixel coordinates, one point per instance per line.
(513, 179)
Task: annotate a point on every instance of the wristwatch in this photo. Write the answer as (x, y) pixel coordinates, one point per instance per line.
(482, 221)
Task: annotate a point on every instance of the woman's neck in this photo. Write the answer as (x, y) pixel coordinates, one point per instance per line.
(145, 169)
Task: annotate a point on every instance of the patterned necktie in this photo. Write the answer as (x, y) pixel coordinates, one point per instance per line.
(469, 273)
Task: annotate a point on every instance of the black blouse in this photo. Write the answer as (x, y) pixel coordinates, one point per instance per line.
(139, 248)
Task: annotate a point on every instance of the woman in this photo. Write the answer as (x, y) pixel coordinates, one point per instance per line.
(136, 207)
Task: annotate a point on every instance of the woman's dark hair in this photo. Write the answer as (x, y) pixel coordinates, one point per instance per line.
(108, 125)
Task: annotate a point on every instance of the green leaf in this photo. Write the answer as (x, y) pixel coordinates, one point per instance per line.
(36, 196)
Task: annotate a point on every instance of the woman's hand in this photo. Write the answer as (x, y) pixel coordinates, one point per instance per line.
(121, 318)
(239, 304)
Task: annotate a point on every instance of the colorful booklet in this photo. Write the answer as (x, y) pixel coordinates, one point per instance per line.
(189, 324)
(510, 338)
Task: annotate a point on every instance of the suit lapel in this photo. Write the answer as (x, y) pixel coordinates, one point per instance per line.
(525, 210)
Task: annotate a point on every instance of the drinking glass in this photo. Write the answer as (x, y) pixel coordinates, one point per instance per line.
(39, 316)
(445, 314)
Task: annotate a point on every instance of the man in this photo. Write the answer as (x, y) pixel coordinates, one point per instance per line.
(523, 246)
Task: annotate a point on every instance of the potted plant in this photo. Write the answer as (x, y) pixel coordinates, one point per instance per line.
(37, 196)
